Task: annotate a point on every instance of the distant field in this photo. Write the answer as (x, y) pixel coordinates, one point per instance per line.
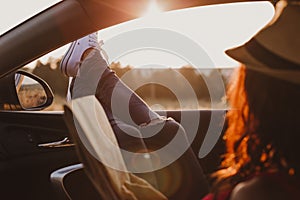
(156, 96)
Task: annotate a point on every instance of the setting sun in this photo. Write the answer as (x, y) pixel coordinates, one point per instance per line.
(215, 28)
(152, 8)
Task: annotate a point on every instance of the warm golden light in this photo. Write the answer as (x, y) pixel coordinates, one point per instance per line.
(152, 8)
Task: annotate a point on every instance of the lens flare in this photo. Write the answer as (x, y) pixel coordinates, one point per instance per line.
(152, 8)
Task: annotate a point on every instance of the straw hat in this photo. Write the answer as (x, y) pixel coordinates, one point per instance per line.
(275, 50)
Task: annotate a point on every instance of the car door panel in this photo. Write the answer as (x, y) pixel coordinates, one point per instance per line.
(24, 166)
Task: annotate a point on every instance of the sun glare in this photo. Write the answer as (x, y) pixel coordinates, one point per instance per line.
(214, 28)
(152, 8)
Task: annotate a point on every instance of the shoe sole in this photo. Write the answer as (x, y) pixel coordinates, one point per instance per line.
(66, 58)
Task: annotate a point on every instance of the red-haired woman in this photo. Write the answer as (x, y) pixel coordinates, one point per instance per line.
(263, 136)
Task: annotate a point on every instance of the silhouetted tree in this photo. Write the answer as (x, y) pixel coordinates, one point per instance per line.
(56, 80)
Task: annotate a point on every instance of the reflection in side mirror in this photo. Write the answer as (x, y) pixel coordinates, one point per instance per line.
(32, 92)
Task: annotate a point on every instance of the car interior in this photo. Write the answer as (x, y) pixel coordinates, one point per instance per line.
(38, 159)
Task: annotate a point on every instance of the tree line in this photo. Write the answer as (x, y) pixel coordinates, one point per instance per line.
(153, 83)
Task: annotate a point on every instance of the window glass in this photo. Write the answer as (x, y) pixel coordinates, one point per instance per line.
(170, 80)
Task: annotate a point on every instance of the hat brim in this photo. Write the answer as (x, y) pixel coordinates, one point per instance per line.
(241, 55)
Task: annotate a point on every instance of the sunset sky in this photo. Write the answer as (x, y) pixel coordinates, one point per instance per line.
(214, 28)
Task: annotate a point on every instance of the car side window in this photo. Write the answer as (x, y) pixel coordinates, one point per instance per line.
(157, 94)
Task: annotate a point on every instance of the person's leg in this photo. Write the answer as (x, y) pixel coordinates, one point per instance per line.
(181, 179)
(95, 78)
(122, 102)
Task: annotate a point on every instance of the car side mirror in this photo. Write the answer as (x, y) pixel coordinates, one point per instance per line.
(33, 93)
(24, 91)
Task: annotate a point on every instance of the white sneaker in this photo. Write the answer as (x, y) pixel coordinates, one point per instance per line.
(71, 60)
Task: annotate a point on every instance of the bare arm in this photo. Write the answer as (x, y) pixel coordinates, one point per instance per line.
(259, 188)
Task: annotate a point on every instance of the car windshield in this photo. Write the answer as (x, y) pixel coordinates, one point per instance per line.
(187, 43)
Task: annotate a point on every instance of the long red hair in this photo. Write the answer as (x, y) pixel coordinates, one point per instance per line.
(263, 131)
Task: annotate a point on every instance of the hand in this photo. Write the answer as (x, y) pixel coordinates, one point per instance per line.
(140, 189)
